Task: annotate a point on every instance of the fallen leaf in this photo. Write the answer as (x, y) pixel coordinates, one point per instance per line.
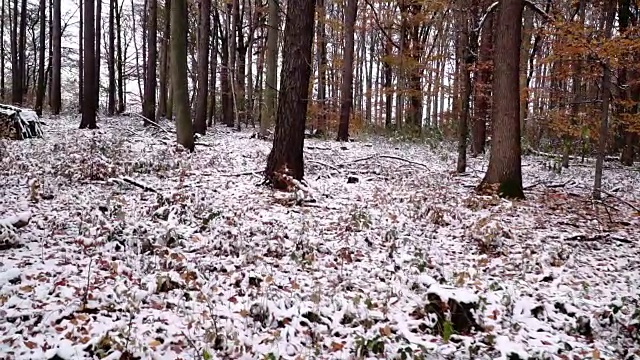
(336, 346)
(30, 344)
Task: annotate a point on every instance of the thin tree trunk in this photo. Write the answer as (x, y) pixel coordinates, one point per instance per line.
(42, 49)
(346, 90)
(179, 73)
(149, 103)
(270, 93)
(98, 51)
(81, 57)
(120, 65)
(89, 106)
(164, 63)
(610, 14)
(465, 62)
(111, 93)
(321, 60)
(2, 90)
(56, 61)
(200, 122)
(482, 89)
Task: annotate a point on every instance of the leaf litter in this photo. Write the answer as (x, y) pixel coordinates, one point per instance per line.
(136, 249)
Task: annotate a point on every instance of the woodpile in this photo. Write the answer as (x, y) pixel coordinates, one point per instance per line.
(18, 124)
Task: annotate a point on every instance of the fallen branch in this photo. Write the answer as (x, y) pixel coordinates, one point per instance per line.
(140, 185)
(153, 123)
(17, 221)
(385, 157)
(324, 164)
(621, 200)
(254, 172)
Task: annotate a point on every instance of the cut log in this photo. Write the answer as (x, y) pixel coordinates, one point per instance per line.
(18, 124)
(17, 221)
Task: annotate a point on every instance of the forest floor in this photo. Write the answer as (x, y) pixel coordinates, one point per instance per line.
(385, 254)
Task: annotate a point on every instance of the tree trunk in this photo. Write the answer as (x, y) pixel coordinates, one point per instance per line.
(200, 122)
(42, 45)
(465, 62)
(483, 89)
(270, 93)
(149, 103)
(56, 61)
(346, 90)
(610, 14)
(111, 93)
(98, 51)
(163, 95)
(388, 83)
(2, 90)
(286, 156)
(81, 57)
(89, 106)
(321, 60)
(213, 109)
(505, 159)
(120, 65)
(627, 77)
(179, 25)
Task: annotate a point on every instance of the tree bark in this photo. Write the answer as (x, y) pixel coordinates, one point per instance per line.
(483, 89)
(465, 62)
(200, 122)
(98, 52)
(505, 158)
(184, 128)
(56, 61)
(321, 60)
(89, 106)
(346, 90)
(42, 49)
(120, 62)
(163, 95)
(286, 156)
(609, 13)
(149, 104)
(81, 56)
(111, 93)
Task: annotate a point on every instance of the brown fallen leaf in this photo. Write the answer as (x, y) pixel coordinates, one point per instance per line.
(336, 346)
(30, 344)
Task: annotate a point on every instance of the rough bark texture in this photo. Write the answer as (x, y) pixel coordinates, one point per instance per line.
(505, 158)
(286, 156)
(81, 33)
(149, 104)
(89, 106)
(184, 128)
(200, 122)
(56, 61)
(346, 90)
(465, 83)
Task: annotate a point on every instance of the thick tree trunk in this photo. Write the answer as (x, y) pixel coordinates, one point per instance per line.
(56, 61)
(346, 90)
(89, 106)
(200, 122)
(149, 104)
(505, 159)
(286, 156)
(42, 50)
(184, 128)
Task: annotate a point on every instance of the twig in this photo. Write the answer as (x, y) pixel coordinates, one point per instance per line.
(85, 298)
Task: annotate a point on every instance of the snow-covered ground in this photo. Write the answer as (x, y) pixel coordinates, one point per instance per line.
(379, 258)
